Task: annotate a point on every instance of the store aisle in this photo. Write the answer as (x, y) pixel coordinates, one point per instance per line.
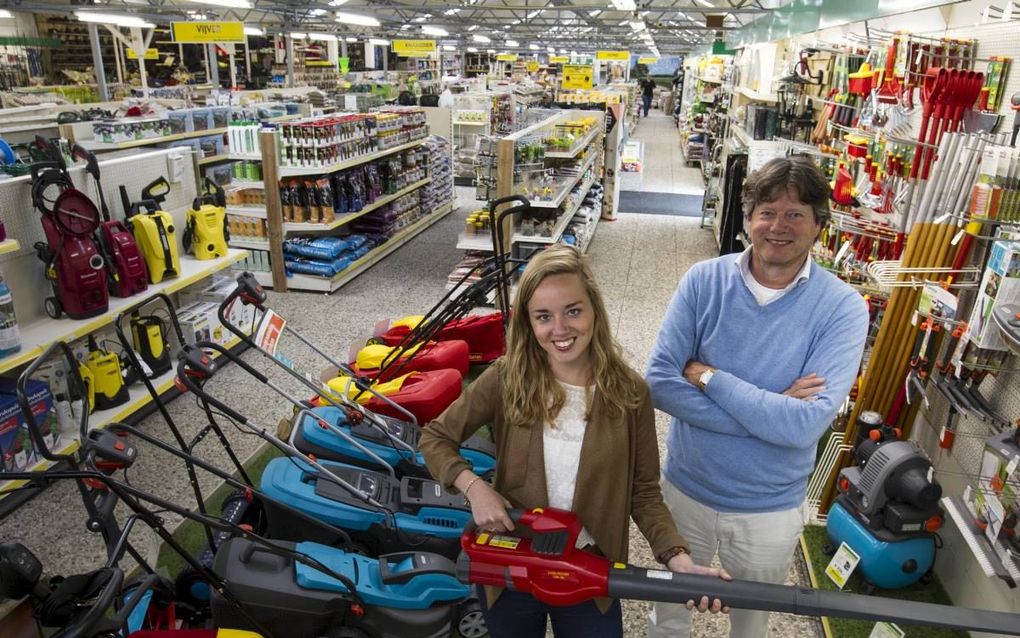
(663, 169)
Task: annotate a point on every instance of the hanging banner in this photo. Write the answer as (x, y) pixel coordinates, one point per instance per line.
(506, 57)
(559, 59)
(577, 76)
(647, 60)
(533, 66)
(207, 32)
(614, 56)
(150, 54)
(413, 48)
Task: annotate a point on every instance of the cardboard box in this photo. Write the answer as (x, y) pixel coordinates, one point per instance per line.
(999, 285)
(218, 289)
(17, 452)
(194, 324)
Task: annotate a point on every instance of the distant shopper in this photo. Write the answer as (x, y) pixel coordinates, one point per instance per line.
(647, 91)
(753, 359)
(574, 429)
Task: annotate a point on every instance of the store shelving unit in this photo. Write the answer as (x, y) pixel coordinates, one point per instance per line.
(379, 203)
(9, 246)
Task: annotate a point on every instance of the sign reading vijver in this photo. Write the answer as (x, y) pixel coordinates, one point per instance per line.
(414, 48)
(207, 32)
(618, 56)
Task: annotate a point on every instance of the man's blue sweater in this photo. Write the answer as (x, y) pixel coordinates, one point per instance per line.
(742, 445)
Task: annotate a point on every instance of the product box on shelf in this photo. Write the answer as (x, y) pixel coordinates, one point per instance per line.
(996, 499)
(1000, 284)
(194, 323)
(16, 449)
(201, 119)
(129, 129)
(211, 145)
(218, 289)
(180, 122)
(219, 116)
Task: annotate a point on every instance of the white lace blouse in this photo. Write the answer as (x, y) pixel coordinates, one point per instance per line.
(562, 447)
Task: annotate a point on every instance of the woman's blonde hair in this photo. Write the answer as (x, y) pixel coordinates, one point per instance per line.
(531, 393)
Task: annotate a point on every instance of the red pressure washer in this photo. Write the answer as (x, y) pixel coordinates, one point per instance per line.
(127, 273)
(73, 263)
(549, 567)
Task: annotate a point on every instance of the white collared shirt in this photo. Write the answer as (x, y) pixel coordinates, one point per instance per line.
(763, 294)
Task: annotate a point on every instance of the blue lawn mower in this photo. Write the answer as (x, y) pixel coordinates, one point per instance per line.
(394, 441)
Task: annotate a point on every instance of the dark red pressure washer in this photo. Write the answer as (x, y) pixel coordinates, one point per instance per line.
(73, 263)
(127, 274)
(549, 567)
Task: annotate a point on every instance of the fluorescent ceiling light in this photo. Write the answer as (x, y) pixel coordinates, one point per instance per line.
(4, 14)
(637, 25)
(450, 12)
(233, 4)
(350, 38)
(429, 30)
(297, 35)
(325, 37)
(573, 53)
(117, 19)
(595, 12)
(449, 47)
(490, 51)
(563, 51)
(472, 27)
(379, 42)
(512, 43)
(354, 18)
(484, 39)
(624, 5)
(472, 50)
(551, 49)
(533, 47)
(405, 27)
(253, 31)
(336, 3)
(704, 3)
(194, 15)
(535, 13)
(317, 12)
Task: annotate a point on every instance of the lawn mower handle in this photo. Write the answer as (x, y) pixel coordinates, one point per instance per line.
(251, 293)
(193, 362)
(76, 385)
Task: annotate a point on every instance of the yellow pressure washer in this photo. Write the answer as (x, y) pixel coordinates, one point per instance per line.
(154, 230)
(104, 380)
(206, 234)
(149, 337)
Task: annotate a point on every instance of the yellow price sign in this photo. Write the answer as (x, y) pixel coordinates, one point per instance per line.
(319, 63)
(414, 48)
(507, 57)
(559, 59)
(615, 56)
(207, 32)
(533, 66)
(150, 54)
(577, 76)
(647, 60)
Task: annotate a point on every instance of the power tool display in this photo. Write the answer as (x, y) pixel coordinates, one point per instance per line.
(74, 264)
(154, 230)
(888, 509)
(206, 233)
(104, 379)
(126, 271)
(149, 339)
(549, 567)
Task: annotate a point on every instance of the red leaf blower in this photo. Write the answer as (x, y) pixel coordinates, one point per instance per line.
(550, 568)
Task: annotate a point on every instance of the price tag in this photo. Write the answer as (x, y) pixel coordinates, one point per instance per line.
(842, 565)
(270, 329)
(886, 630)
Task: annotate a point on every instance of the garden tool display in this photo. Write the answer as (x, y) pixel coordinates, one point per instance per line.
(149, 339)
(206, 233)
(74, 264)
(154, 230)
(105, 380)
(887, 511)
(549, 567)
(126, 271)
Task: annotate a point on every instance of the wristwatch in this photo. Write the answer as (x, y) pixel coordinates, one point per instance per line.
(670, 553)
(705, 377)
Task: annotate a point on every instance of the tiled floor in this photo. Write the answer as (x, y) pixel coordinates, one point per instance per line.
(638, 260)
(663, 169)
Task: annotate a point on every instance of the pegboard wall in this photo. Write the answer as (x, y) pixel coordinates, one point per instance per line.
(23, 271)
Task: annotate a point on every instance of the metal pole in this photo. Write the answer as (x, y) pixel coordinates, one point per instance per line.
(290, 61)
(247, 65)
(233, 71)
(208, 73)
(214, 65)
(343, 48)
(97, 62)
(118, 57)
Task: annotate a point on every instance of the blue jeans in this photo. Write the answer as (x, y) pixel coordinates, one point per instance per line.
(519, 615)
(646, 100)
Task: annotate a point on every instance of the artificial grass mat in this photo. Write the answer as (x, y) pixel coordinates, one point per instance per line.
(815, 539)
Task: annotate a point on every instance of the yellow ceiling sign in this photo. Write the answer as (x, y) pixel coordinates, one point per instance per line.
(506, 57)
(533, 66)
(150, 54)
(207, 32)
(414, 48)
(559, 59)
(647, 60)
(577, 76)
(617, 56)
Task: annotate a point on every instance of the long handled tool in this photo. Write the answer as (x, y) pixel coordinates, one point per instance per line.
(550, 568)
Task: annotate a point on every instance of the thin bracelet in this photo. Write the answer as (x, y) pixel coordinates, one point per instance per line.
(466, 489)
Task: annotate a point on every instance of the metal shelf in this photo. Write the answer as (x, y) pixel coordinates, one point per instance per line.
(561, 223)
(291, 171)
(476, 242)
(572, 153)
(92, 145)
(249, 244)
(247, 211)
(568, 186)
(37, 335)
(290, 227)
(328, 285)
